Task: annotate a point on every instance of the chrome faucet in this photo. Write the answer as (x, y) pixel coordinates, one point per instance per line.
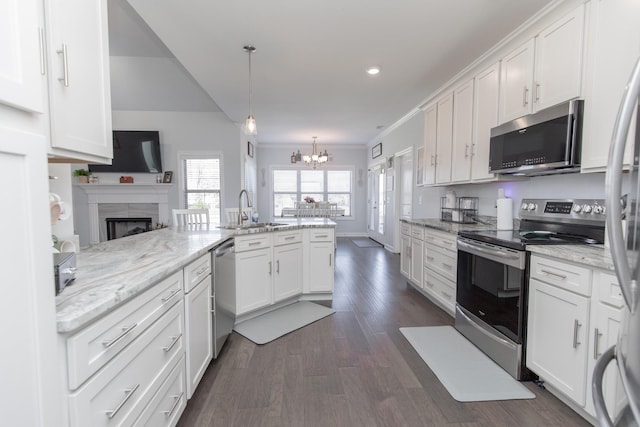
(241, 215)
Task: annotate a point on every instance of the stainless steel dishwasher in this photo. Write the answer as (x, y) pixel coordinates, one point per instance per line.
(223, 294)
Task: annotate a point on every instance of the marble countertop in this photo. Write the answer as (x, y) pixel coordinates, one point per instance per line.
(113, 272)
(594, 256)
(485, 223)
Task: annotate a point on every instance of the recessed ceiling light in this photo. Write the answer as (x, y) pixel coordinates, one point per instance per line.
(372, 71)
(380, 127)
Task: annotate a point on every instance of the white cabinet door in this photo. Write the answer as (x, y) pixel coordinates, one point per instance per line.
(445, 139)
(614, 39)
(416, 261)
(253, 280)
(21, 50)
(321, 266)
(515, 82)
(558, 68)
(430, 141)
(557, 341)
(79, 85)
(462, 132)
(405, 256)
(199, 333)
(287, 277)
(485, 118)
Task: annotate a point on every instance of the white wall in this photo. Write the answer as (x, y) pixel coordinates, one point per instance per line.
(343, 157)
(179, 131)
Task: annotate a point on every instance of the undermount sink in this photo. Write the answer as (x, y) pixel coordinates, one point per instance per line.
(252, 225)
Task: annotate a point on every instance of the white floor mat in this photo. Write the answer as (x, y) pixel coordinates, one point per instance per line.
(277, 323)
(466, 372)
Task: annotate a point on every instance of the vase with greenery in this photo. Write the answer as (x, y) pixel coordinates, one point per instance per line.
(83, 175)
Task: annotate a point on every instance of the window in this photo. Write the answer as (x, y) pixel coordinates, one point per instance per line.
(201, 180)
(291, 186)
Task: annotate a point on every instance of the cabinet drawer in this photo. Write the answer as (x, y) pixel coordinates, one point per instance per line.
(92, 347)
(441, 239)
(441, 261)
(608, 289)
(440, 288)
(321, 235)
(168, 404)
(286, 237)
(405, 229)
(249, 243)
(196, 271)
(121, 390)
(417, 232)
(566, 276)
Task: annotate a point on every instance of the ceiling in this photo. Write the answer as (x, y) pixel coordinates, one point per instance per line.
(308, 71)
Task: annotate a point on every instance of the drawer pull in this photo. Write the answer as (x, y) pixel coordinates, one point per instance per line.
(127, 395)
(561, 276)
(447, 266)
(576, 326)
(446, 295)
(202, 270)
(289, 237)
(430, 258)
(596, 338)
(171, 295)
(321, 235)
(446, 243)
(254, 243)
(429, 284)
(173, 342)
(125, 331)
(177, 400)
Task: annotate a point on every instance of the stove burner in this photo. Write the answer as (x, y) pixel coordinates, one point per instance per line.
(554, 237)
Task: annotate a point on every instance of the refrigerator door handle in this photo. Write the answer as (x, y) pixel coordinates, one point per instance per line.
(613, 186)
(604, 420)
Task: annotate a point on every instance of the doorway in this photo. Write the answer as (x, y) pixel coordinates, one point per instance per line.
(377, 203)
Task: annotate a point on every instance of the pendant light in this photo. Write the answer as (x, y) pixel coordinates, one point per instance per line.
(250, 127)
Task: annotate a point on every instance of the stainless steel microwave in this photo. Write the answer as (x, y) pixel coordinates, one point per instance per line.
(543, 143)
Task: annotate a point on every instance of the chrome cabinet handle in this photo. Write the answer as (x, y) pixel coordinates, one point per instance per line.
(173, 342)
(537, 91)
(125, 331)
(278, 266)
(576, 326)
(446, 295)
(596, 339)
(466, 151)
(254, 243)
(177, 398)
(202, 270)
(447, 266)
(330, 259)
(430, 258)
(429, 284)
(525, 94)
(473, 149)
(432, 160)
(171, 295)
(65, 65)
(269, 267)
(43, 57)
(561, 276)
(289, 237)
(321, 235)
(127, 395)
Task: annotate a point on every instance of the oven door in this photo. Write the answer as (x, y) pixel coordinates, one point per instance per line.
(491, 286)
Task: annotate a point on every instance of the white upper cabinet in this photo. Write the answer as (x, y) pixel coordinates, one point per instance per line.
(515, 82)
(79, 88)
(430, 141)
(444, 136)
(527, 86)
(22, 65)
(558, 62)
(462, 132)
(614, 46)
(486, 117)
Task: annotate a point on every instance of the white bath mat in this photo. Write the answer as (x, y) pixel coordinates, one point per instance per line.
(466, 372)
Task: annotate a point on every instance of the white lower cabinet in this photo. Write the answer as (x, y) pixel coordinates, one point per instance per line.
(417, 234)
(199, 334)
(253, 280)
(287, 277)
(405, 250)
(574, 316)
(120, 391)
(440, 268)
(320, 260)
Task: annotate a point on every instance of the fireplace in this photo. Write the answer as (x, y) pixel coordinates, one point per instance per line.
(122, 227)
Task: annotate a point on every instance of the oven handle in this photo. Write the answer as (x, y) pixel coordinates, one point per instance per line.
(516, 260)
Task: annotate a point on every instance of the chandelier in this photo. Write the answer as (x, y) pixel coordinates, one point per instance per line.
(250, 127)
(314, 160)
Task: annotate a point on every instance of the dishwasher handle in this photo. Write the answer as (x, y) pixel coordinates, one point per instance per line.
(225, 248)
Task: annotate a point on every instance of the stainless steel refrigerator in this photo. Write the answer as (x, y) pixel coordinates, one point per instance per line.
(623, 227)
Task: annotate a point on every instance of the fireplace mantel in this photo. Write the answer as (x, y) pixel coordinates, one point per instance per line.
(124, 193)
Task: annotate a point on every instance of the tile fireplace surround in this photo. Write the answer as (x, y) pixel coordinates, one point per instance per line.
(98, 194)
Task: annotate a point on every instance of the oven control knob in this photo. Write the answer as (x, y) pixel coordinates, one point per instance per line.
(597, 209)
(587, 208)
(577, 208)
(532, 206)
(523, 207)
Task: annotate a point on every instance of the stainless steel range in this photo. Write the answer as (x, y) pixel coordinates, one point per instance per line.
(493, 273)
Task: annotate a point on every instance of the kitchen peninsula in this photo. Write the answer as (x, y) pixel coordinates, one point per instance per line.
(135, 328)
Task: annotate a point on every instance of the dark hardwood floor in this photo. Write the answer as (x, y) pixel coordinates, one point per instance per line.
(353, 368)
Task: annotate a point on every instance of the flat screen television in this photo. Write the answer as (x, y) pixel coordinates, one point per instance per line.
(134, 151)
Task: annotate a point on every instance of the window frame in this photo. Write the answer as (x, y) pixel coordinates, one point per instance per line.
(182, 193)
(325, 193)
